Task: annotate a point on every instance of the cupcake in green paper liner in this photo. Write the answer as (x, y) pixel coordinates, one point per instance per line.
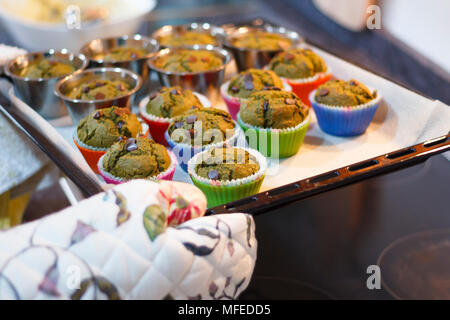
(275, 122)
(227, 174)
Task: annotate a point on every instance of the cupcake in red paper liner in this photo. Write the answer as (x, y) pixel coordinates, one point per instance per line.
(102, 128)
(344, 108)
(236, 91)
(159, 109)
(140, 158)
(302, 69)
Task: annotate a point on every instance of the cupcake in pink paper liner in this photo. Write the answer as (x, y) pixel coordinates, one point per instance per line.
(159, 109)
(227, 174)
(240, 87)
(139, 158)
(302, 69)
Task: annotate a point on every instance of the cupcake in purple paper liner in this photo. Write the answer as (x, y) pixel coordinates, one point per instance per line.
(344, 108)
(139, 158)
(198, 130)
(240, 87)
(227, 174)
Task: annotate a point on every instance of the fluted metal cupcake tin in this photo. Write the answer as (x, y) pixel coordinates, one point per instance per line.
(256, 204)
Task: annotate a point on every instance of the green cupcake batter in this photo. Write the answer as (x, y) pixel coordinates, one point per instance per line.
(226, 164)
(273, 109)
(185, 60)
(261, 40)
(343, 93)
(98, 89)
(122, 54)
(136, 159)
(171, 102)
(46, 68)
(297, 64)
(215, 125)
(101, 128)
(186, 38)
(251, 80)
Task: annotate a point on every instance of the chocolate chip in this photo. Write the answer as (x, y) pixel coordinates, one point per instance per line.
(86, 89)
(289, 56)
(178, 124)
(97, 115)
(99, 96)
(213, 174)
(265, 105)
(289, 101)
(120, 124)
(235, 89)
(153, 96)
(323, 92)
(248, 82)
(191, 119)
(131, 146)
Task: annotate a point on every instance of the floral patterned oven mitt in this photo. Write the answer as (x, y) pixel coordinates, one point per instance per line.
(139, 240)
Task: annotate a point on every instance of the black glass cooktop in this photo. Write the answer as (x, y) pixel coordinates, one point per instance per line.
(320, 248)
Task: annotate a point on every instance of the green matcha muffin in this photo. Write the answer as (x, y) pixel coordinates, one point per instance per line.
(273, 109)
(99, 89)
(188, 61)
(297, 64)
(275, 122)
(344, 108)
(46, 68)
(251, 80)
(343, 93)
(227, 174)
(138, 158)
(103, 127)
(214, 124)
(186, 38)
(124, 53)
(261, 40)
(226, 164)
(170, 102)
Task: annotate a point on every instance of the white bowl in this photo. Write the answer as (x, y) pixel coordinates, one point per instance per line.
(37, 36)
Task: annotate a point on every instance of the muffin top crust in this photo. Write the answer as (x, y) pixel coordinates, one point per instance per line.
(297, 64)
(170, 102)
(103, 127)
(251, 80)
(274, 109)
(226, 164)
(136, 158)
(343, 93)
(202, 127)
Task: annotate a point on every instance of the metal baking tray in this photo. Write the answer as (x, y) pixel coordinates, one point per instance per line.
(274, 195)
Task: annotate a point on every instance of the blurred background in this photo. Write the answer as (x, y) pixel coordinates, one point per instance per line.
(408, 40)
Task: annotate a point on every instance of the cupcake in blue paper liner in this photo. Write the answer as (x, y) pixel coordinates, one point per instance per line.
(198, 130)
(344, 108)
